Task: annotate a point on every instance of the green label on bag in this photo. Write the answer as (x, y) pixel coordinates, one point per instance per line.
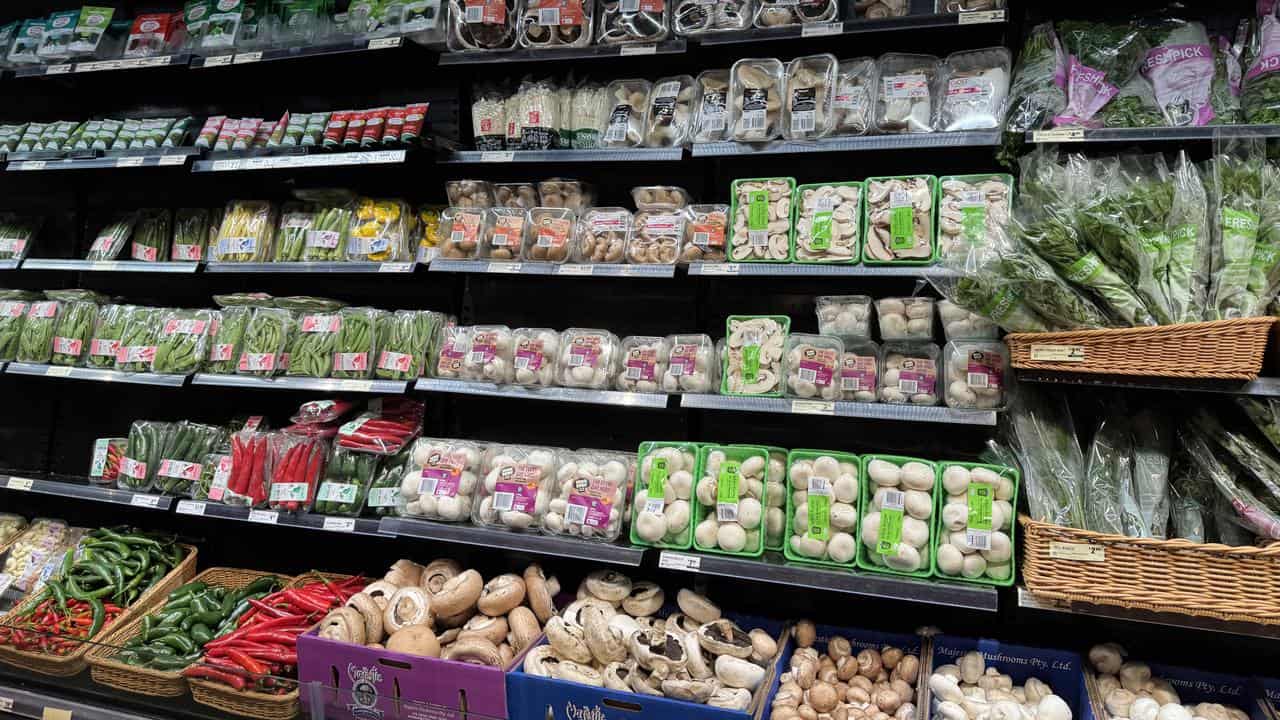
(1239, 233)
(750, 362)
(1001, 305)
(727, 482)
(819, 517)
(979, 498)
(758, 210)
(821, 231)
(973, 223)
(1082, 270)
(901, 228)
(1157, 244)
(890, 531)
(658, 478)
(337, 492)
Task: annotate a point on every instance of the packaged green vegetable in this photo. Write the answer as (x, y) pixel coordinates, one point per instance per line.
(190, 234)
(326, 239)
(73, 332)
(311, 352)
(403, 340)
(225, 336)
(55, 45)
(147, 439)
(112, 237)
(246, 233)
(1180, 68)
(296, 220)
(347, 478)
(107, 332)
(215, 472)
(356, 344)
(1236, 186)
(107, 134)
(182, 458)
(177, 134)
(1134, 105)
(1260, 86)
(384, 493)
(128, 131)
(1224, 93)
(150, 242)
(14, 305)
(181, 346)
(223, 24)
(264, 342)
(1101, 58)
(1186, 278)
(17, 233)
(1264, 269)
(90, 28)
(138, 343)
(35, 344)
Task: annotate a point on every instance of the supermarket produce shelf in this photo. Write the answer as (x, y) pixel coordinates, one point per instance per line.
(1262, 387)
(555, 394)
(110, 265)
(87, 491)
(43, 704)
(175, 60)
(856, 27)
(1028, 600)
(334, 48)
(313, 521)
(772, 568)
(302, 160)
(540, 156)
(524, 55)
(94, 374)
(538, 544)
(543, 268)
(310, 267)
(174, 157)
(384, 387)
(878, 411)
(9, 264)
(1157, 134)
(908, 141)
(817, 270)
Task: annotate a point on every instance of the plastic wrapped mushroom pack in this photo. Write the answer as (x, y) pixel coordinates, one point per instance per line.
(755, 99)
(753, 359)
(896, 526)
(808, 95)
(972, 211)
(482, 24)
(905, 101)
(773, 13)
(669, 121)
(828, 222)
(556, 23)
(590, 497)
(761, 219)
(659, 224)
(614, 637)
(627, 117)
(823, 506)
(629, 21)
(730, 495)
(974, 539)
(899, 218)
(701, 17)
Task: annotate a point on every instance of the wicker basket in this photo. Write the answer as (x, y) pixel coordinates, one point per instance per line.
(106, 670)
(1221, 349)
(1240, 584)
(248, 703)
(74, 662)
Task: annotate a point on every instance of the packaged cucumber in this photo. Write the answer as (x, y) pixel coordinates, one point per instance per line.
(112, 237)
(347, 478)
(108, 330)
(181, 345)
(150, 242)
(147, 439)
(327, 238)
(138, 343)
(384, 493)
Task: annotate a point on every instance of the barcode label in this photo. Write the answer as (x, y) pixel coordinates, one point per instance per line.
(617, 132)
(977, 380)
(630, 6)
(474, 14)
(713, 122)
(819, 485)
(427, 486)
(803, 121)
(633, 372)
(502, 501)
(576, 514)
(701, 238)
(894, 500)
(908, 386)
(477, 356)
(675, 369)
(759, 238)
(808, 374)
(549, 16)
(978, 539)
(500, 240)
(576, 360)
(654, 506)
(522, 362)
(753, 120)
(457, 236)
(727, 512)
(850, 383)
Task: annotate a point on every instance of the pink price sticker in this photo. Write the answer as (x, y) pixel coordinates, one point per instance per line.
(321, 323)
(441, 476)
(67, 346)
(46, 309)
(219, 352)
(12, 309)
(101, 244)
(351, 362)
(684, 360)
(132, 468)
(181, 470)
(395, 361)
(585, 351)
(257, 362)
(136, 353)
(917, 376)
(591, 502)
(484, 347)
(188, 253)
(858, 372)
(528, 359)
(12, 245)
(145, 253)
(104, 348)
(175, 326)
(516, 489)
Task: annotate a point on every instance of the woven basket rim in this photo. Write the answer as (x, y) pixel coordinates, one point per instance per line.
(1172, 544)
(1143, 329)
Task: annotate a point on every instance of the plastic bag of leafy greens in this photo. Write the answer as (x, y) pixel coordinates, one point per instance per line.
(1101, 58)
(1056, 300)
(1229, 529)
(1152, 446)
(1264, 269)
(1134, 105)
(74, 331)
(1224, 93)
(190, 234)
(1265, 414)
(14, 305)
(1179, 67)
(1250, 512)
(1186, 276)
(111, 239)
(1260, 85)
(1109, 475)
(1036, 96)
(1044, 439)
(980, 289)
(1193, 495)
(1264, 468)
(1236, 188)
(138, 343)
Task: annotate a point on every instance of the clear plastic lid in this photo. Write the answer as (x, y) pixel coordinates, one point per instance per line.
(761, 220)
(973, 210)
(755, 99)
(516, 490)
(828, 222)
(670, 117)
(470, 193)
(590, 496)
(644, 363)
(808, 97)
(482, 24)
(706, 228)
(488, 356)
(813, 366)
(960, 324)
(462, 230)
(516, 195)
(906, 318)
(910, 373)
(534, 356)
(907, 93)
(657, 197)
(692, 364)
(556, 23)
(648, 21)
(908, 198)
(975, 89)
(564, 193)
(550, 234)
(860, 370)
(712, 119)
(588, 358)
(441, 480)
(656, 237)
(773, 13)
(667, 467)
(508, 229)
(455, 343)
(844, 316)
(601, 235)
(629, 108)
(855, 95)
(977, 374)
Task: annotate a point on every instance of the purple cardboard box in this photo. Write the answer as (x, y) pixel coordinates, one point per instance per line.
(361, 683)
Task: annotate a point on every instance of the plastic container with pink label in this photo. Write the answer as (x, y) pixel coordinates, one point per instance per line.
(440, 480)
(517, 485)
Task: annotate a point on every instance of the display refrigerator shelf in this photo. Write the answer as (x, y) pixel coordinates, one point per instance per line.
(906, 141)
(544, 268)
(174, 157)
(772, 568)
(10, 264)
(1153, 134)
(310, 267)
(332, 48)
(302, 160)
(524, 542)
(382, 387)
(569, 156)
(109, 265)
(87, 491)
(1262, 387)
(313, 521)
(94, 374)
(816, 270)
(1029, 600)
(878, 411)
(175, 60)
(856, 27)
(554, 394)
(525, 55)
(29, 702)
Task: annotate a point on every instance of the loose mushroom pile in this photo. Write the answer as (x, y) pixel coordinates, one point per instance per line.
(611, 637)
(831, 483)
(441, 610)
(841, 684)
(976, 544)
(762, 220)
(971, 214)
(813, 366)
(827, 224)
(1130, 691)
(899, 196)
(730, 493)
(903, 490)
(753, 363)
(970, 690)
(667, 468)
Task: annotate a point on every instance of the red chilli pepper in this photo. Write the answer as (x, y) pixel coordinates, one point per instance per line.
(247, 662)
(210, 673)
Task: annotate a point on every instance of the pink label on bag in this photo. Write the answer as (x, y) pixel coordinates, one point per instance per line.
(1087, 91)
(12, 245)
(136, 353)
(516, 489)
(528, 358)
(257, 362)
(67, 346)
(12, 309)
(221, 352)
(145, 253)
(190, 253)
(815, 372)
(43, 309)
(105, 348)
(351, 361)
(180, 469)
(395, 361)
(321, 323)
(132, 468)
(175, 326)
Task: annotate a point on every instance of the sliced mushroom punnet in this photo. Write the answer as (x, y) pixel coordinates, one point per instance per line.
(724, 637)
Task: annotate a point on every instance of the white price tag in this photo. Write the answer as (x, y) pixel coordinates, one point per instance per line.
(129, 162)
(356, 385)
(338, 524)
(1057, 353)
(57, 371)
(58, 69)
(221, 165)
(218, 60)
(258, 163)
(628, 50)
(102, 266)
(190, 507)
(979, 17)
(173, 159)
(679, 561)
(498, 156)
(20, 483)
(508, 268)
(246, 58)
(149, 501)
(820, 29)
(395, 267)
(30, 165)
(268, 517)
(719, 268)
(1058, 135)
(574, 270)
(384, 43)
(813, 407)
(6, 704)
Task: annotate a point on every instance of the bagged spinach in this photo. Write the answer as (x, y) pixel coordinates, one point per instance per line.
(1180, 68)
(1101, 58)
(1236, 186)
(1260, 86)
(1186, 277)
